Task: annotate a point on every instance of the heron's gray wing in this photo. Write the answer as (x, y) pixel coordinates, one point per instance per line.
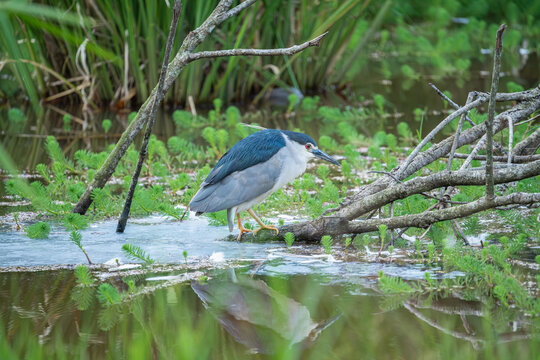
(250, 151)
(237, 188)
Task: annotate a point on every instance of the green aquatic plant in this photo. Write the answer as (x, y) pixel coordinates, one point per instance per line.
(83, 293)
(323, 171)
(106, 124)
(310, 103)
(108, 295)
(405, 133)
(15, 116)
(73, 221)
(104, 202)
(326, 242)
(222, 137)
(131, 285)
(56, 155)
(16, 121)
(76, 238)
(84, 276)
(169, 210)
(132, 115)
(44, 172)
(293, 102)
(209, 134)
(383, 229)
(135, 252)
(184, 254)
(16, 220)
(39, 230)
(66, 119)
(183, 119)
(218, 218)
(289, 239)
(393, 284)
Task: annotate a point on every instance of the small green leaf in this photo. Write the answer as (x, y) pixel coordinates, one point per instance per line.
(39, 230)
(289, 239)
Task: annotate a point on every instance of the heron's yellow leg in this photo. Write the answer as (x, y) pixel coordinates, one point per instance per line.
(263, 226)
(241, 227)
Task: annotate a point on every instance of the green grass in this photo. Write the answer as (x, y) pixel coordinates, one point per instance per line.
(40, 41)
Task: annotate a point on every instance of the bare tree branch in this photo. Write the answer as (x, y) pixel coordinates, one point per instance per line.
(515, 159)
(314, 230)
(426, 218)
(510, 140)
(451, 102)
(529, 145)
(490, 189)
(152, 118)
(517, 113)
(456, 106)
(256, 52)
(235, 10)
(464, 110)
(443, 178)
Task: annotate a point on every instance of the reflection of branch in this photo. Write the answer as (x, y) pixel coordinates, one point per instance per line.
(459, 335)
(474, 340)
(450, 306)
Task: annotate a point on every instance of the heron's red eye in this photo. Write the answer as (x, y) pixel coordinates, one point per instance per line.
(308, 146)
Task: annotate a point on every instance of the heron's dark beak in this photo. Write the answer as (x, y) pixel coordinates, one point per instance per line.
(324, 156)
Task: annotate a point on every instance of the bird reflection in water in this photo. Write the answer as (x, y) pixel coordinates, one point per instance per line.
(257, 316)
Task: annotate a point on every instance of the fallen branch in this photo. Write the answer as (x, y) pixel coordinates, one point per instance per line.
(528, 146)
(519, 112)
(335, 226)
(443, 178)
(515, 159)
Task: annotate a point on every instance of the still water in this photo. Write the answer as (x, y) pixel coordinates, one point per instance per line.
(243, 313)
(232, 301)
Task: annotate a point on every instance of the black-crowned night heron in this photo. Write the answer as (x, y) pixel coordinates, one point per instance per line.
(252, 170)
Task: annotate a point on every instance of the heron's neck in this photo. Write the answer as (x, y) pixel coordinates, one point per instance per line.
(297, 159)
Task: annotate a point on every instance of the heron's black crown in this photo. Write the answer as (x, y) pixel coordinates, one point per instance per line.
(301, 138)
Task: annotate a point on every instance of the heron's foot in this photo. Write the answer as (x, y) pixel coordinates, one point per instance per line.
(269, 227)
(242, 230)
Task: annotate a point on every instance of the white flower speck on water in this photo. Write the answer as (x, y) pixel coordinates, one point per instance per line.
(217, 257)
